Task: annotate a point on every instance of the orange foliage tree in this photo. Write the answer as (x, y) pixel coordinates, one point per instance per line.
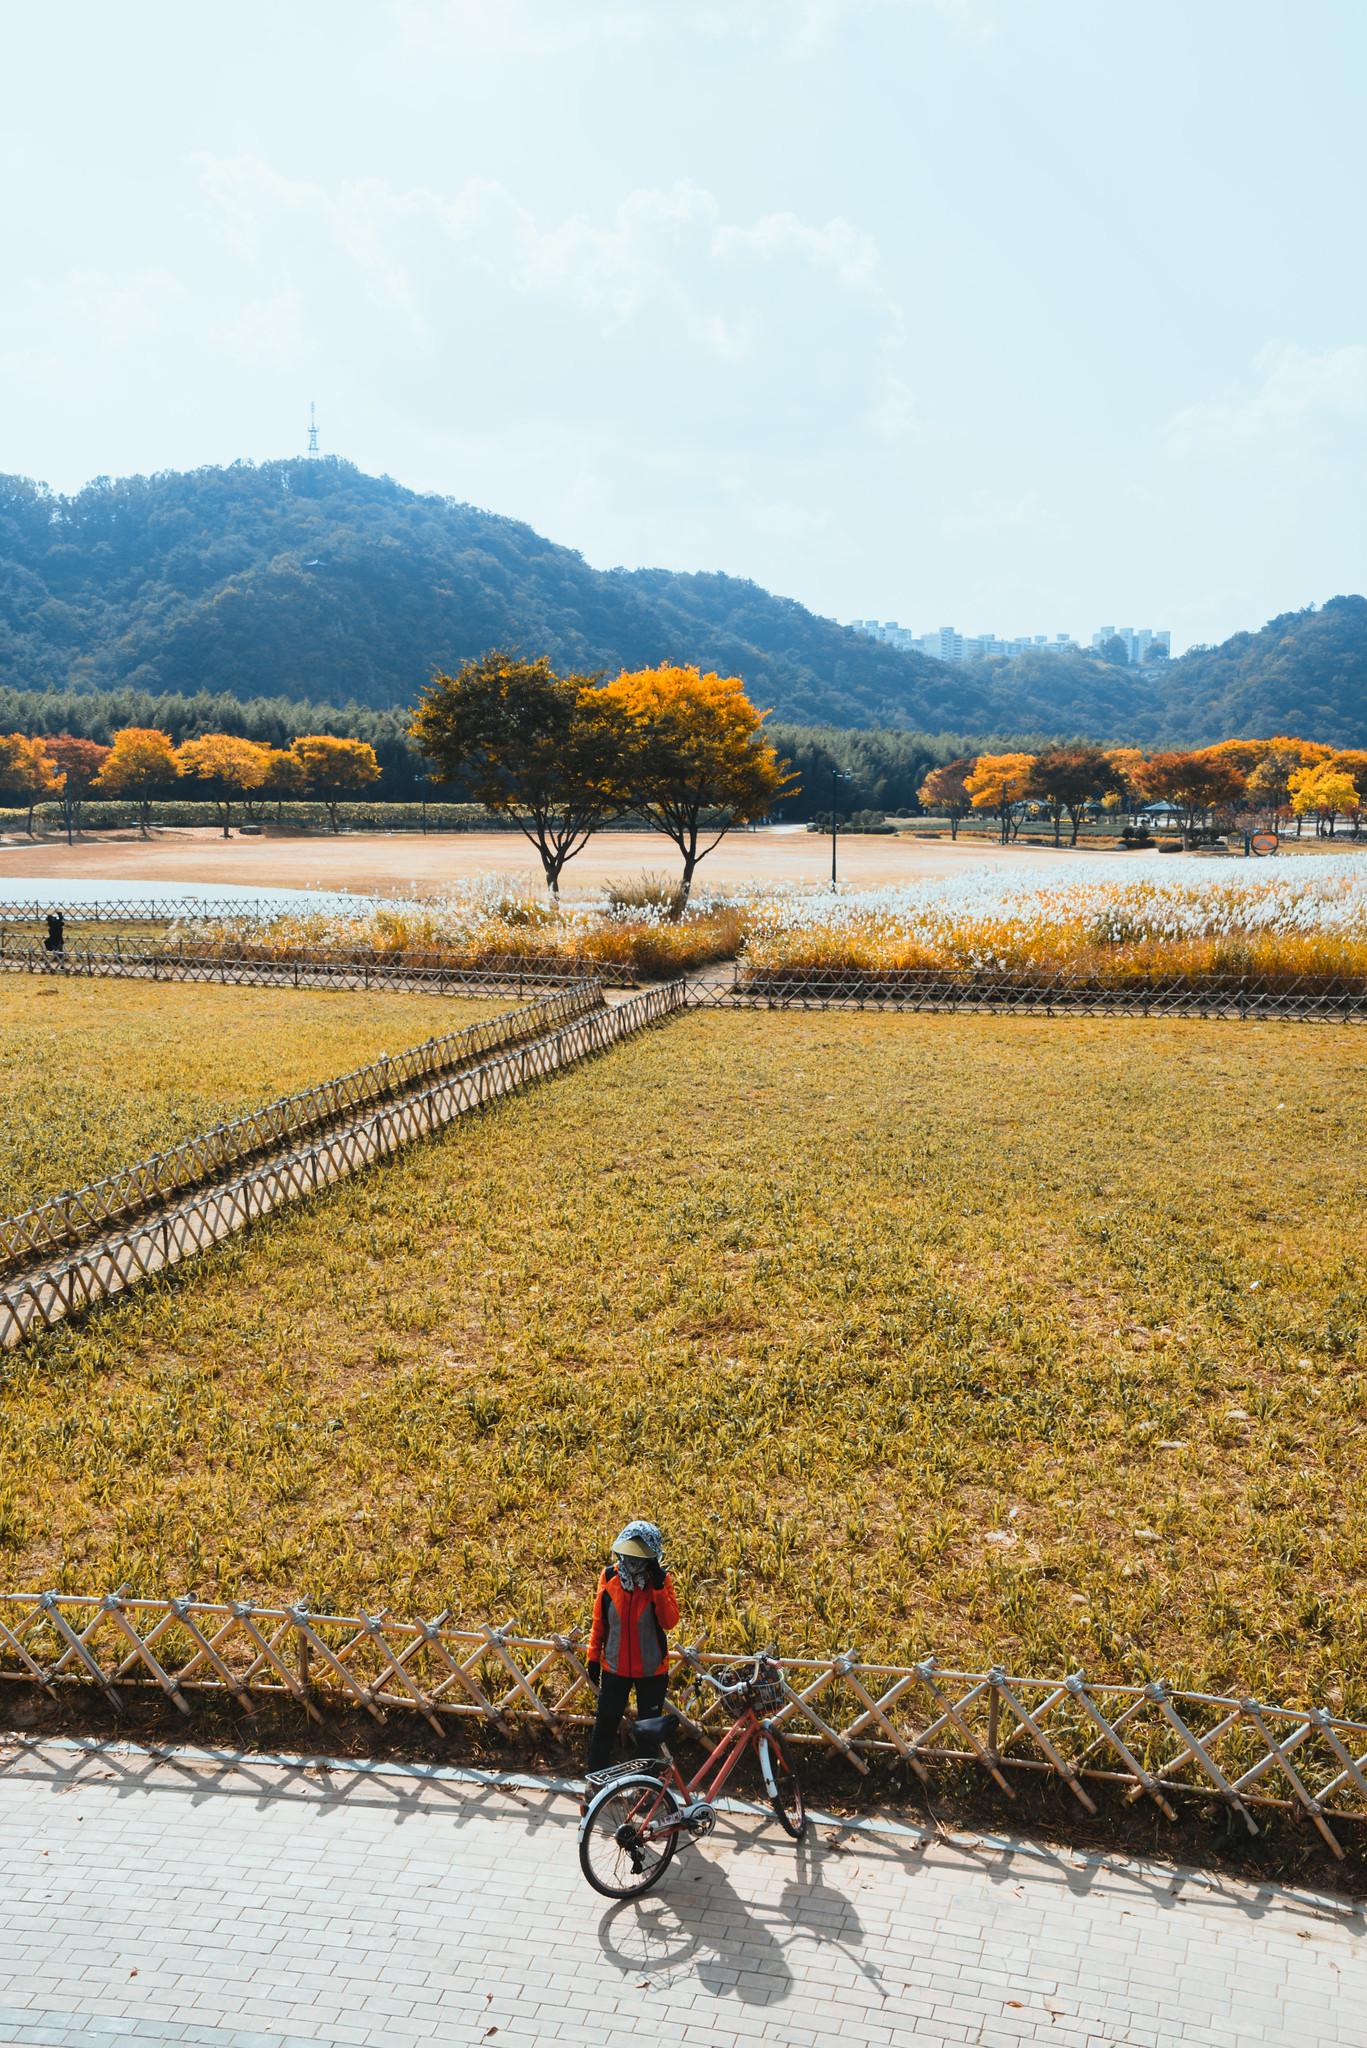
(944, 789)
(698, 762)
(1195, 783)
(334, 768)
(285, 776)
(142, 763)
(78, 761)
(27, 774)
(231, 765)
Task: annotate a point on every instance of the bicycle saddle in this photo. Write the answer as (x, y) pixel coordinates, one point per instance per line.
(657, 1728)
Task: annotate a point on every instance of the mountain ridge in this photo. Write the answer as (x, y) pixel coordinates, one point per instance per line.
(306, 579)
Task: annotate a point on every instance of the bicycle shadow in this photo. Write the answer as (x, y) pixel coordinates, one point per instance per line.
(698, 1923)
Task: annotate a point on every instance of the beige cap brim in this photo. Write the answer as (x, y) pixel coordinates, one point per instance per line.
(631, 1548)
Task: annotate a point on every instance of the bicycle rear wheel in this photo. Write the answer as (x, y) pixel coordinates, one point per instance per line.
(613, 1856)
(781, 1783)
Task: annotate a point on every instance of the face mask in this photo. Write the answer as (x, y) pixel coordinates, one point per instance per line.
(634, 1572)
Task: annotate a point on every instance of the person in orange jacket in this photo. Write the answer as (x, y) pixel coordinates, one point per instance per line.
(634, 1605)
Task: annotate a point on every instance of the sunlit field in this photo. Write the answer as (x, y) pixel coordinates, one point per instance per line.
(1115, 926)
(96, 1074)
(998, 1338)
(1115, 921)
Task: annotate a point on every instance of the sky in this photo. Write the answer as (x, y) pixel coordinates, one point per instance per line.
(1026, 316)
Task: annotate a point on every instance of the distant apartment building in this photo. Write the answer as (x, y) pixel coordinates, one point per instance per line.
(949, 645)
(1137, 645)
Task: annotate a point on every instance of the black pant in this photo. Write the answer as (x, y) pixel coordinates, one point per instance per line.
(613, 1694)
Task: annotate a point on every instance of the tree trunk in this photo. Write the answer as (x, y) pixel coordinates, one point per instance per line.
(552, 861)
(30, 821)
(680, 903)
(953, 829)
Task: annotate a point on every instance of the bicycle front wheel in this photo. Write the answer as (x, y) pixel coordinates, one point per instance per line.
(781, 1783)
(616, 1855)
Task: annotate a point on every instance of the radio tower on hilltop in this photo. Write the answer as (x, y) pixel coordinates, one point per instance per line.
(313, 430)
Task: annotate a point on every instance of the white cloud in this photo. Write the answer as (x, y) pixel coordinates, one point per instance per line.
(518, 30)
(122, 310)
(661, 254)
(852, 255)
(895, 415)
(1301, 395)
(266, 333)
(989, 512)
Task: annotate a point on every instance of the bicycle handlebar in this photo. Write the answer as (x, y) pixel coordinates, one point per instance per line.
(742, 1684)
(726, 1691)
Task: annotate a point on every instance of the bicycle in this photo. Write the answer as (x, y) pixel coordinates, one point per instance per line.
(640, 1810)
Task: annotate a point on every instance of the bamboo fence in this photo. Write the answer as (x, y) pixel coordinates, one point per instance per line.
(1152, 1741)
(1320, 998)
(1323, 998)
(74, 1217)
(138, 910)
(107, 1265)
(511, 976)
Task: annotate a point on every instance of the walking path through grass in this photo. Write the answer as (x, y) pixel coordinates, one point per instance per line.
(157, 1900)
(96, 1074)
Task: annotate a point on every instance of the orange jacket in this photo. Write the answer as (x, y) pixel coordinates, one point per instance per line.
(628, 1634)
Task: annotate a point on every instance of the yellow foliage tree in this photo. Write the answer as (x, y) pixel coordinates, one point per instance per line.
(27, 774)
(697, 762)
(142, 762)
(231, 764)
(998, 783)
(1324, 793)
(334, 768)
(1277, 760)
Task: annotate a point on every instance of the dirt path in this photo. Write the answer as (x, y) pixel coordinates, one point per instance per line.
(398, 863)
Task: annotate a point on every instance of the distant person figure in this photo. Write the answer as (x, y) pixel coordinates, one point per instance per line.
(634, 1605)
(55, 942)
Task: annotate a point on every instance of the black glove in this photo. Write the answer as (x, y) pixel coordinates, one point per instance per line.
(595, 1673)
(657, 1574)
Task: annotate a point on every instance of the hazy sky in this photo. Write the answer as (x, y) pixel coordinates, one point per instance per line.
(1025, 315)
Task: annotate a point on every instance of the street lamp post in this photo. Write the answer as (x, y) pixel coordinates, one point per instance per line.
(836, 776)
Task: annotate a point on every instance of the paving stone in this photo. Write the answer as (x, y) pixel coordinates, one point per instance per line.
(303, 1915)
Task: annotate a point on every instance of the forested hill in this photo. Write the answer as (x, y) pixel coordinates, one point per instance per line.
(307, 580)
(1305, 672)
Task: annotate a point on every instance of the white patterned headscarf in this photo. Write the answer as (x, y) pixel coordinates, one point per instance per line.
(634, 1572)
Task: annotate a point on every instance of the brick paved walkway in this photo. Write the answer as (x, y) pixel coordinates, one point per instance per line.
(262, 1906)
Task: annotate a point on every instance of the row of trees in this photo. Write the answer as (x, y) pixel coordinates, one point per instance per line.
(562, 756)
(1268, 780)
(142, 764)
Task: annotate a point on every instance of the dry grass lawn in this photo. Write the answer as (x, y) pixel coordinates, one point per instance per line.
(96, 1074)
(998, 1338)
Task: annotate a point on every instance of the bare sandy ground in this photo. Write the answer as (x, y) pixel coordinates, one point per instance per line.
(403, 863)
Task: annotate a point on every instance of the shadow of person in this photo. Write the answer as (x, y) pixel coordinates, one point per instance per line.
(819, 1911)
(697, 1925)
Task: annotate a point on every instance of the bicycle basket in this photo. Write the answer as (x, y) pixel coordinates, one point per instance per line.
(763, 1685)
